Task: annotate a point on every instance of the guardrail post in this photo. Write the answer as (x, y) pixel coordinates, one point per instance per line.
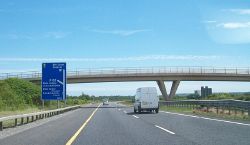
(1, 126)
(22, 120)
(32, 118)
(27, 119)
(15, 122)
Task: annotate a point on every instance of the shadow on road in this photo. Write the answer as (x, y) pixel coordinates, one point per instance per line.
(132, 113)
(103, 107)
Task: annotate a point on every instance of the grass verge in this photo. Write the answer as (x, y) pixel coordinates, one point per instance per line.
(127, 103)
(211, 113)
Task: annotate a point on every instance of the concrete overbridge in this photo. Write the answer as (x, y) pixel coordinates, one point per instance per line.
(158, 74)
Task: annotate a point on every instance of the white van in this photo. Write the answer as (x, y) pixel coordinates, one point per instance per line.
(146, 99)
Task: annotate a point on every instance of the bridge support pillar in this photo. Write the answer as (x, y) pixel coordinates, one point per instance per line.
(162, 88)
(174, 88)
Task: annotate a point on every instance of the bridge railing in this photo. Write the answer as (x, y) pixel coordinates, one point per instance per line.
(230, 105)
(134, 70)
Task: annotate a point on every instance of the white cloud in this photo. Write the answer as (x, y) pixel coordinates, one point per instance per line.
(17, 70)
(135, 58)
(240, 11)
(121, 32)
(234, 25)
(29, 36)
(209, 21)
(19, 36)
(56, 34)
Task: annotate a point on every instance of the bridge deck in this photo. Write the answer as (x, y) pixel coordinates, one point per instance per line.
(143, 74)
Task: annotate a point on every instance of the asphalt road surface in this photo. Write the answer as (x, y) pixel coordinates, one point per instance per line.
(114, 124)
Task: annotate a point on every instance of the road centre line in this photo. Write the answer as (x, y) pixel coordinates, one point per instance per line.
(135, 116)
(73, 138)
(219, 120)
(164, 129)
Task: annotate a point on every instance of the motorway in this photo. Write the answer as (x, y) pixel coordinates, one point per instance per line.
(115, 124)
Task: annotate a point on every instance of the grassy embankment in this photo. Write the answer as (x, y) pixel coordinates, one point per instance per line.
(19, 96)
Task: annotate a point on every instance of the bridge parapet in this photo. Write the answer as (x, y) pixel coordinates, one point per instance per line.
(135, 71)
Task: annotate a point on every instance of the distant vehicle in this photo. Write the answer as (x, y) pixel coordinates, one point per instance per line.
(105, 101)
(146, 99)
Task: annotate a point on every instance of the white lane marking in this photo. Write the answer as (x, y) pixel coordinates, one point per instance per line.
(119, 109)
(232, 122)
(135, 116)
(164, 129)
(125, 111)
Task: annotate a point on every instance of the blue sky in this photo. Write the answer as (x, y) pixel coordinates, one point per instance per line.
(159, 33)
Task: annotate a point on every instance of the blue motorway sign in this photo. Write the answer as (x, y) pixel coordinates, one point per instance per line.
(53, 81)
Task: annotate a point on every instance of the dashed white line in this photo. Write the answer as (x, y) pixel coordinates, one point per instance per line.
(119, 109)
(135, 116)
(232, 122)
(125, 111)
(164, 129)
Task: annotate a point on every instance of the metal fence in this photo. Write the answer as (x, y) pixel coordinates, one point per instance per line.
(136, 70)
(34, 116)
(230, 105)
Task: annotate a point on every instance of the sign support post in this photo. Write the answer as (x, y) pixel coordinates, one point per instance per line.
(42, 104)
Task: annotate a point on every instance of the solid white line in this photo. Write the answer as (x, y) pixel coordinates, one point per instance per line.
(135, 116)
(232, 122)
(165, 129)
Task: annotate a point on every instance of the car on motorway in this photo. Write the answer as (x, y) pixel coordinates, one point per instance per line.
(105, 101)
(146, 99)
